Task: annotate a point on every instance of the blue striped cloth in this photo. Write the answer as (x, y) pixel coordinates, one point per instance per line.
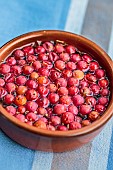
(92, 19)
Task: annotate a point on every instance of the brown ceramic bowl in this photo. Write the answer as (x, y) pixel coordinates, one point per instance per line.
(56, 141)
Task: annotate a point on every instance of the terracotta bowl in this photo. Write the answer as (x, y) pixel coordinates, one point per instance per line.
(56, 141)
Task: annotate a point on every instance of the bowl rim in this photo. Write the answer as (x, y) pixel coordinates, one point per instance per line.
(84, 130)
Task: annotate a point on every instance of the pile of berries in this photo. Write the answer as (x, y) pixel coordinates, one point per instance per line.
(54, 86)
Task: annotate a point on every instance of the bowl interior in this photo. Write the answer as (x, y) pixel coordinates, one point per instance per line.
(83, 45)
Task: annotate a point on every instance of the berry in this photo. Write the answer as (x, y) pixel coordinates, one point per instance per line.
(59, 109)
(67, 117)
(11, 110)
(74, 125)
(78, 100)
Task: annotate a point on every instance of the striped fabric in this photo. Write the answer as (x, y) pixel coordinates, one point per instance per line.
(91, 18)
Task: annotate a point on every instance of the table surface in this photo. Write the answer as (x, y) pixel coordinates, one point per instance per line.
(92, 19)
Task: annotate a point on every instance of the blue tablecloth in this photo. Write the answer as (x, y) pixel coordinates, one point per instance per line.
(92, 19)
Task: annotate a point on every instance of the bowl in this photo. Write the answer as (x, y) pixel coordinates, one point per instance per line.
(56, 141)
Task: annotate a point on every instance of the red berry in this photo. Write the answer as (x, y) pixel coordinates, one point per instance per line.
(75, 58)
(59, 109)
(31, 116)
(70, 49)
(21, 80)
(99, 108)
(103, 100)
(4, 68)
(43, 80)
(71, 65)
(43, 102)
(11, 61)
(17, 70)
(53, 98)
(48, 46)
(55, 120)
(21, 89)
(9, 98)
(52, 88)
(93, 66)
(73, 90)
(104, 92)
(28, 50)
(53, 56)
(85, 109)
(62, 128)
(82, 65)
(43, 91)
(78, 100)
(61, 82)
(42, 111)
(43, 57)
(59, 48)
(20, 117)
(36, 65)
(18, 54)
(31, 58)
(21, 109)
(63, 91)
(103, 83)
(31, 106)
(10, 87)
(59, 64)
(21, 62)
(67, 117)
(2, 82)
(64, 57)
(90, 100)
(95, 89)
(50, 127)
(31, 94)
(39, 50)
(3, 92)
(100, 73)
(40, 124)
(74, 125)
(20, 100)
(66, 100)
(11, 110)
(66, 73)
(31, 84)
(27, 69)
(9, 78)
(43, 72)
(73, 81)
(87, 58)
(73, 109)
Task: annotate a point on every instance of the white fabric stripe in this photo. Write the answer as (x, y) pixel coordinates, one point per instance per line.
(74, 23)
(101, 144)
(42, 161)
(76, 16)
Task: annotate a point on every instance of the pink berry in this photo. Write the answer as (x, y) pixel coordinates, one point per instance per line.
(95, 89)
(20, 117)
(99, 108)
(103, 100)
(31, 84)
(104, 92)
(61, 82)
(16, 70)
(75, 58)
(21, 80)
(67, 117)
(59, 64)
(82, 65)
(66, 100)
(53, 98)
(73, 90)
(74, 125)
(59, 109)
(63, 91)
(93, 66)
(73, 109)
(50, 127)
(100, 73)
(66, 73)
(8, 99)
(42, 111)
(87, 58)
(44, 72)
(36, 65)
(53, 56)
(73, 81)
(10, 87)
(85, 109)
(2, 82)
(71, 65)
(90, 100)
(43, 91)
(103, 83)
(43, 57)
(48, 46)
(59, 48)
(11, 110)
(39, 50)
(31, 94)
(11, 61)
(3, 92)
(18, 54)
(31, 106)
(78, 100)
(62, 128)
(31, 116)
(64, 57)
(70, 49)
(43, 102)
(28, 50)
(4, 68)
(27, 69)
(55, 120)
